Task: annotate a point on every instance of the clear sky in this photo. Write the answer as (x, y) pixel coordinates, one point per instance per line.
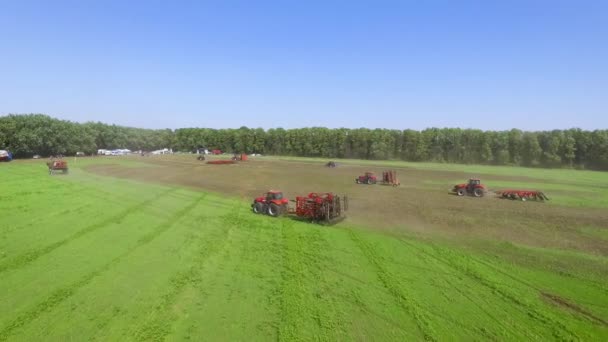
(486, 64)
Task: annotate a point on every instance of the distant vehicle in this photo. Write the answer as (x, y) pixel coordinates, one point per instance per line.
(216, 152)
(107, 153)
(5, 156)
(36, 156)
(80, 154)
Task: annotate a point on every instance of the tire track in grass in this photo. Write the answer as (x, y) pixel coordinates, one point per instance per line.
(559, 330)
(448, 278)
(60, 295)
(30, 256)
(158, 325)
(405, 301)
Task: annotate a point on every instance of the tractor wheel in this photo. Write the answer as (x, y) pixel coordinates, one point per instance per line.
(477, 192)
(461, 192)
(369, 181)
(524, 198)
(357, 181)
(274, 210)
(258, 208)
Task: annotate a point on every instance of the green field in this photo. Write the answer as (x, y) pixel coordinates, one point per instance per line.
(87, 257)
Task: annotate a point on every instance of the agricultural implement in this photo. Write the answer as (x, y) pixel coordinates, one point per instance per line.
(239, 157)
(325, 208)
(389, 177)
(473, 188)
(523, 195)
(330, 164)
(57, 165)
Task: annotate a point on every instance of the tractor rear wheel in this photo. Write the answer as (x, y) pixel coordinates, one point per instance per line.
(477, 192)
(274, 210)
(258, 208)
(369, 181)
(461, 192)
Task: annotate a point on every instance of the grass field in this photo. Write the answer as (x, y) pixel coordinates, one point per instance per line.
(167, 249)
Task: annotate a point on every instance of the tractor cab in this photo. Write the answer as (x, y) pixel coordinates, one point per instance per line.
(474, 182)
(274, 196)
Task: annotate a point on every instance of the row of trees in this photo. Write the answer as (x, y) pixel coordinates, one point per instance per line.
(26, 135)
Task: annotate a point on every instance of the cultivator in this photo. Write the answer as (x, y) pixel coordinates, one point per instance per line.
(390, 178)
(326, 208)
(523, 195)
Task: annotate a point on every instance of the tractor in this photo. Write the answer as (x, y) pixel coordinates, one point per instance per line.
(321, 208)
(474, 188)
(368, 178)
(57, 165)
(272, 203)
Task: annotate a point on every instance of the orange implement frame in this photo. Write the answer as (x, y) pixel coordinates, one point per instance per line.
(389, 177)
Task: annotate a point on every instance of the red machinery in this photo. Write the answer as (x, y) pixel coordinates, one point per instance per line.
(239, 157)
(389, 177)
(322, 208)
(523, 195)
(368, 178)
(57, 165)
(474, 187)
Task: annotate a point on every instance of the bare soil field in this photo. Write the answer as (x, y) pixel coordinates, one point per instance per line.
(421, 205)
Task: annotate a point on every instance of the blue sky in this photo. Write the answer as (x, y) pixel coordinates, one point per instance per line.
(527, 64)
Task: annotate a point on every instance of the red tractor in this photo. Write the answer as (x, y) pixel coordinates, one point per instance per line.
(321, 208)
(368, 178)
(474, 188)
(272, 203)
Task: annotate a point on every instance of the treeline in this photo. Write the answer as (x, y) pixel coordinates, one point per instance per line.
(26, 135)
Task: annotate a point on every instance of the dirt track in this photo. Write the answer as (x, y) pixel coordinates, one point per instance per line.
(417, 206)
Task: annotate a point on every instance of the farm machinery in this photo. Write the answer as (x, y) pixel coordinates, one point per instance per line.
(389, 177)
(239, 157)
(523, 195)
(473, 188)
(326, 208)
(57, 165)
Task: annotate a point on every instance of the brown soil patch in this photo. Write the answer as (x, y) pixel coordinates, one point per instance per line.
(566, 304)
(415, 206)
